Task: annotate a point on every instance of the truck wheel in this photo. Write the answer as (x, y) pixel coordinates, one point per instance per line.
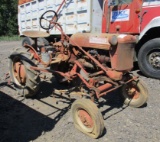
(149, 58)
(87, 118)
(25, 80)
(135, 93)
(27, 40)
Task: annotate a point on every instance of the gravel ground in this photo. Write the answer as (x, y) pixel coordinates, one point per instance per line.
(42, 119)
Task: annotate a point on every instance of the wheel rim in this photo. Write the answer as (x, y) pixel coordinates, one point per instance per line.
(132, 92)
(154, 59)
(85, 120)
(19, 72)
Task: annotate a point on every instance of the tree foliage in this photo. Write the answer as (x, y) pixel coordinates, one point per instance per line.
(8, 17)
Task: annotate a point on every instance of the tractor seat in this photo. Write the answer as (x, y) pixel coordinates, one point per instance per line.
(35, 34)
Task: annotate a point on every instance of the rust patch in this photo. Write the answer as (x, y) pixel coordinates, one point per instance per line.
(85, 118)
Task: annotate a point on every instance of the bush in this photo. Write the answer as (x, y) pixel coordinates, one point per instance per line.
(8, 18)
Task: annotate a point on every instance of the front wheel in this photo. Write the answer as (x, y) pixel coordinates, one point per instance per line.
(87, 118)
(135, 93)
(149, 58)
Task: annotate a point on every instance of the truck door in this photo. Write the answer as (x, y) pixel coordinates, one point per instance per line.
(122, 16)
(150, 12)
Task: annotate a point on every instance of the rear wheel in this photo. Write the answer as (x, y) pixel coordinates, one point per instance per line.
(87, 118)
(26, 80)
(135, 93)
(149, 58)
(27, 40)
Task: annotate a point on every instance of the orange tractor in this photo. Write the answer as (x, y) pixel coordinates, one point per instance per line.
(94, 65)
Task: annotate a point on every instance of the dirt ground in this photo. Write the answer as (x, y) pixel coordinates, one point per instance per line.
(47, 117)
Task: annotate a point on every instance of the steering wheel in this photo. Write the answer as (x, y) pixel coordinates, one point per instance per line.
(50, 23)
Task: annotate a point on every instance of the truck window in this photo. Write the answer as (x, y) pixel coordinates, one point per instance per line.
(117, 2)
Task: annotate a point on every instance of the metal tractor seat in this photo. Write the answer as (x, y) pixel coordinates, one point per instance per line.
(36, 34)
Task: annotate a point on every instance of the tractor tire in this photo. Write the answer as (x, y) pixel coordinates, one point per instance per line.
(25, 80)
(135, 93)
(27, 40)
(87, 118)
(149, 58)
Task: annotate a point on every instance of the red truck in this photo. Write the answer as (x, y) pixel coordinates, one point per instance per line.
(136, 17)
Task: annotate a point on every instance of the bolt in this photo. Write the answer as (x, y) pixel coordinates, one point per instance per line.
(156, 61)
(154, 54)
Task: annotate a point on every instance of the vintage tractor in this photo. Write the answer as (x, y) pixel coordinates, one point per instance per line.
(94, 64)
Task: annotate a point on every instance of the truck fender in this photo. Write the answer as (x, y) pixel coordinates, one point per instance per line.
(152, 24)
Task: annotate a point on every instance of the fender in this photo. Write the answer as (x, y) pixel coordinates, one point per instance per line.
(155, 22)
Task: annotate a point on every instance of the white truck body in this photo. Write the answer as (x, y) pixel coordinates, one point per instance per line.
(74, 16)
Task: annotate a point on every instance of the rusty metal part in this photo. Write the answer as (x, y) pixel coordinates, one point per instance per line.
(60, 57)
(87, 54)
(36, 56)
(103, 59)
(35, 34)
(64, 54)
(19, 72)
(85, 118)
(76, 52)
(122, 55)
(81, 67)
(63, 36)
(92, 81)
(132, 91)
(63, 57)
(98, 41)
(60, 7)
(84, 81)
(104, 93)
(106, 79)
(104, 87)
(85, 63)
(115, 75)
(72, 58)
(56, 60)
(92, 58)
(47, 70)
(57, 44)
(95, 74)
(33, 52)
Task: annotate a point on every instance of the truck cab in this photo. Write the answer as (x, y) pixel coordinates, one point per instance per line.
(122, 16)
(137, 17)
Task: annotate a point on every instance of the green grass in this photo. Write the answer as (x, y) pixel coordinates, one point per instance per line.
(10, 38)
